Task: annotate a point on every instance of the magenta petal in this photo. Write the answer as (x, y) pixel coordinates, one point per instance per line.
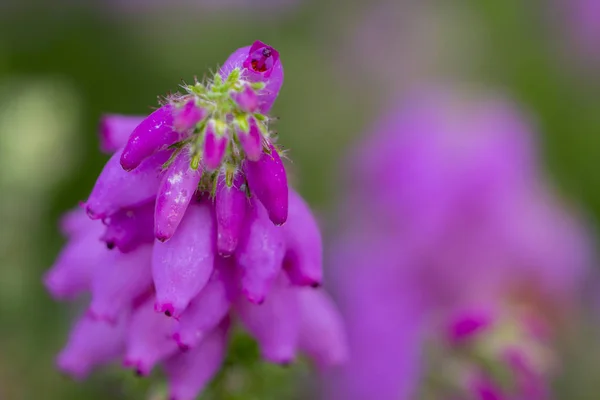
(251, 141)
(91, 343)
(230, 210)
(246, 100)
(182, 265)
(259, 63)
(128, 228)
(148, 339)
(275, 323)
(322, 334)
(262, 64)
(259, 254)
(189, 372)
(120, 279)
(214, 148)
(267, 179)
(235, 60)
(208, 308)
(76, 221)
(153, 134)
(115, 130)
(174, 195)
(304, 251)
(72, 271)
(468, 324)
(116, 188)
(188, 116)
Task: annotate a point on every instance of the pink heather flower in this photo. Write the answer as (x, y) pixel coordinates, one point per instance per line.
(452, 242)
(180, 236)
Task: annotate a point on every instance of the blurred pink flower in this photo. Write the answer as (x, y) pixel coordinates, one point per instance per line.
(584, 26)
(258, 7)
(451, 245)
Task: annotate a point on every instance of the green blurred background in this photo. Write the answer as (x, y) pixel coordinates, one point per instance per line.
(63, 64)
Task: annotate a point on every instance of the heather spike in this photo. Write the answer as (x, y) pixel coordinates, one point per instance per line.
(188, 206)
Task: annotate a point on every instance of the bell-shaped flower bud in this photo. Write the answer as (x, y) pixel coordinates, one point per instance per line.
(250, 137)
(186, 117)
(268, 180)
(230, 210)
(120, 279)
(304, 249)
(215, 144)
(182, 266)
(274, 324)
(246, 100)
(176, 190)
(129, 228)
(322, 334)
(148, 339)
(208, 308)
(153, 134)
(91, 343)
(116, 188)
(259, 254)
(189, 372)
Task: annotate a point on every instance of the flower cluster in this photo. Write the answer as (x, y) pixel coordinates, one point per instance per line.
(462, 253)
(190, 224)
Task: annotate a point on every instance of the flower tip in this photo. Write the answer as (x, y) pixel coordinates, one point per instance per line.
(71, 367)
(162, 236)
(261, 58)
(226, 245)
(278, 216)
(127, 164)
(254, 298)
(56, 286)
(89, 210)
(168, 309)
(183, 346)
(138, 367)
(315, 285)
